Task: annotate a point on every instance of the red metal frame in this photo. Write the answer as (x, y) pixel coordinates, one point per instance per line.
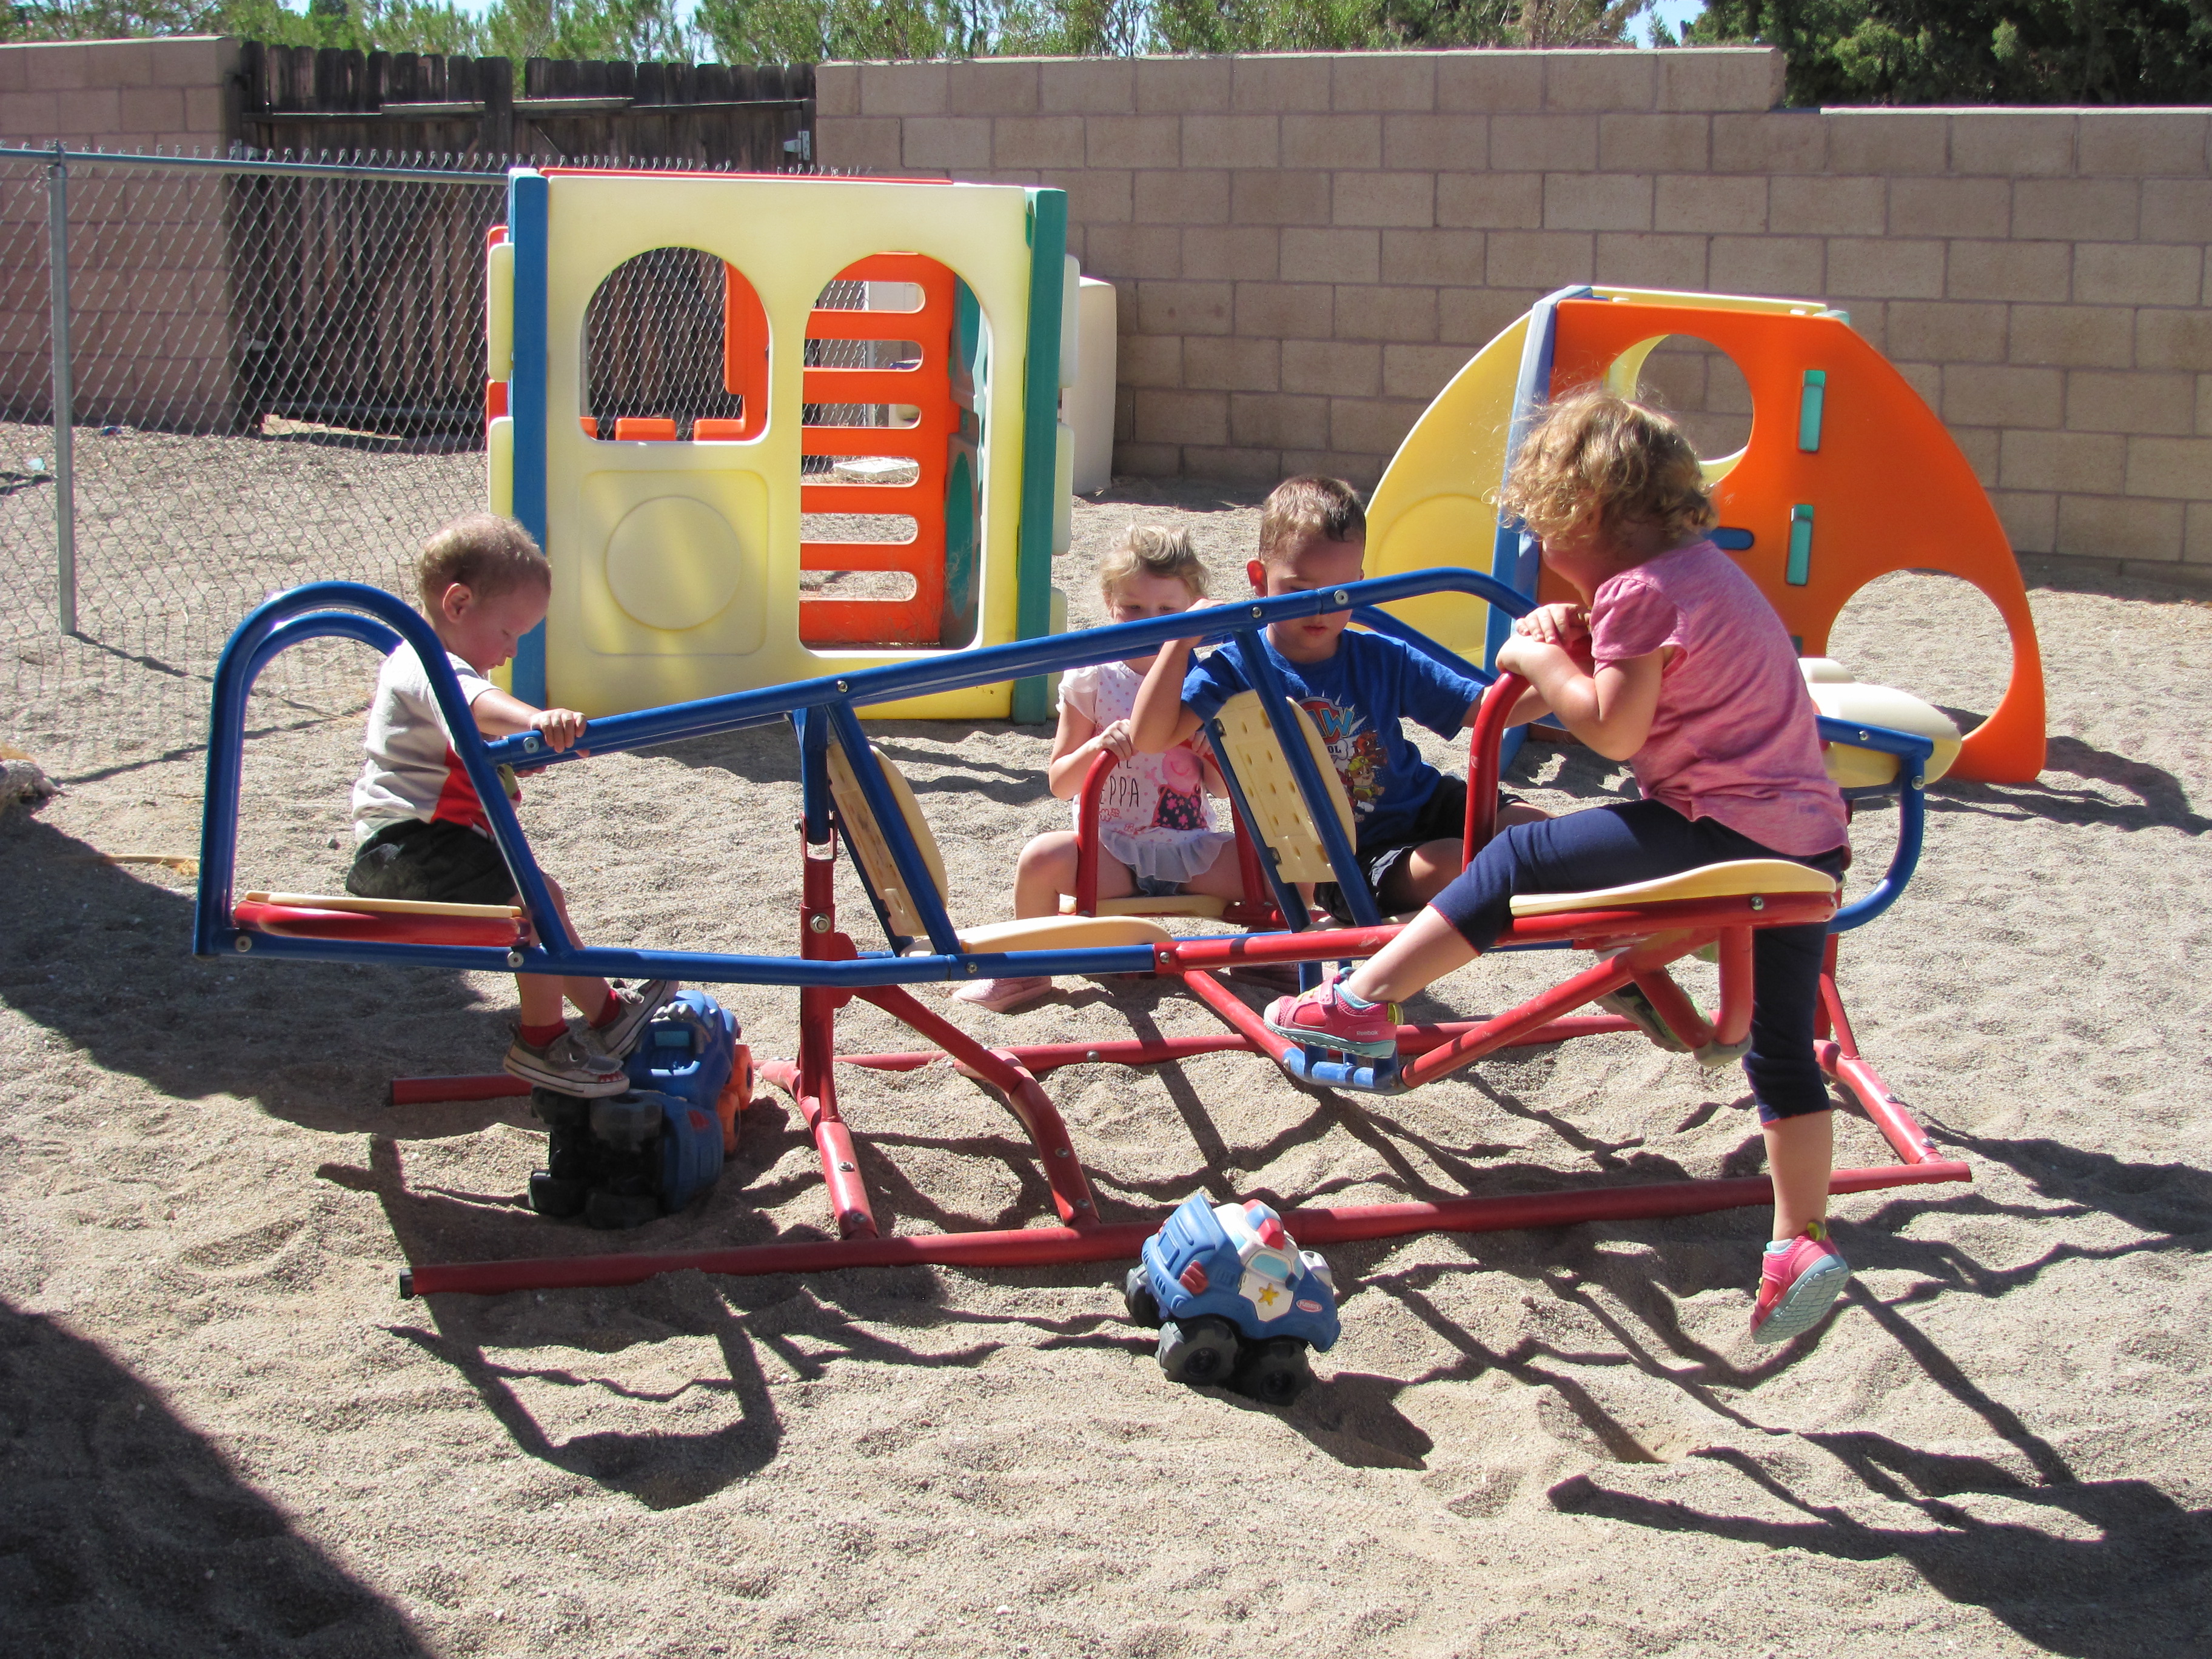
(1256, 909)
(1648, 939)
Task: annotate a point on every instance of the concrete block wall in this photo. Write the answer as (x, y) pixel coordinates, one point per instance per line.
(151, 296)
(1308, 246)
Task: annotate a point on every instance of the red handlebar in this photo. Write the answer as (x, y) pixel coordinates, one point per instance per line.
(1482, 767)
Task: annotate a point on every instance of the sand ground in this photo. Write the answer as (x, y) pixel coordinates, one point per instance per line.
(222, 1431)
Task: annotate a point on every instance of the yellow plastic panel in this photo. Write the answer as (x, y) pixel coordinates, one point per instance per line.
(499, 312)
(1070, 313)
(1433, 507)
(788, 237)
(673, 560)
(499, 466)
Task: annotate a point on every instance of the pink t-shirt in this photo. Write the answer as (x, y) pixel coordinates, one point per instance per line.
(1733, 738)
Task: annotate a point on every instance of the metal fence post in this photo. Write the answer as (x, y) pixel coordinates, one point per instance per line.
(64, 398)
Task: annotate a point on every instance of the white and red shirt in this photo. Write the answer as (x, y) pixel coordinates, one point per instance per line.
(412, 771)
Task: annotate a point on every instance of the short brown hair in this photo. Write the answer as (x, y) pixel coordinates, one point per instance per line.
(1152, 550)
(486, 554)
(1597, 459)
(1304, 507)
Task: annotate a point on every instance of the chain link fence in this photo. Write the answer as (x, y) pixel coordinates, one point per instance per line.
(277, 374)
(277, 378)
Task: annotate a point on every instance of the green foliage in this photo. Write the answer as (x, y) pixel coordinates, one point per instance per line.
(814, 31)
(2007, 52)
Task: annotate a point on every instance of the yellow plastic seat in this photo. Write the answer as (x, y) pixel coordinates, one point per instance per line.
(376, 907)
(1835, 694)
(1737, 879)
(866, 837)
(1154, 904)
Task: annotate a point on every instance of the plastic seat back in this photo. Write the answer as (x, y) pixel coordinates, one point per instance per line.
(870, 848)
(1276, 811)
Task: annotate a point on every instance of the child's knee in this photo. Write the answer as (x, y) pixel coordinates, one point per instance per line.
(1050, 854)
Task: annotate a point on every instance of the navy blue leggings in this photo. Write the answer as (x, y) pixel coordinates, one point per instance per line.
(1641, 841)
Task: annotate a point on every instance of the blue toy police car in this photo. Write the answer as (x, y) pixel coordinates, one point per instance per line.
(1234, 1299)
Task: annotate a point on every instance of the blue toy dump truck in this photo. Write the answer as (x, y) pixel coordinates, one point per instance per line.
(1234, 1299)
(624, 1159)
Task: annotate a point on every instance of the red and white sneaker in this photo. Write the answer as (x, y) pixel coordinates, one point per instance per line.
(1796, 1285)
(1322, 1019)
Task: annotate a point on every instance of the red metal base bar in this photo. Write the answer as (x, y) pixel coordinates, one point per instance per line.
(1653, 938)
(1121, 1241)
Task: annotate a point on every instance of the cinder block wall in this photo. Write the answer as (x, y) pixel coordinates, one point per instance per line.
(1308, 245)
(150, 311)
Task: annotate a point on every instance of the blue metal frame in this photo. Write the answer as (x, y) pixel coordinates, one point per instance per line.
(823, 711)
(1514, 556)
(529, 227)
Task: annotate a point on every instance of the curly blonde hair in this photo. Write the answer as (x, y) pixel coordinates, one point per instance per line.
(1152, 550)
(1597, 460)
(486, 554)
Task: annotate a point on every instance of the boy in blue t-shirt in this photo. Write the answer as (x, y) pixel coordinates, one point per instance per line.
(1408, 818)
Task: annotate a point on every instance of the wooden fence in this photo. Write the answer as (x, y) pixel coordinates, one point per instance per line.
(308, 100)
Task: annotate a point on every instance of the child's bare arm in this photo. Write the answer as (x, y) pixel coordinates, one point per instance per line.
(1161, 719)
(500, 715)
(1610, 707)
(1074, 746)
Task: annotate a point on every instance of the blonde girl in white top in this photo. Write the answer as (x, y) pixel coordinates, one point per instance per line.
(1156, 830)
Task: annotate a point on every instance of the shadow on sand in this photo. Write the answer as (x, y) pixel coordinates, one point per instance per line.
(125, 1532)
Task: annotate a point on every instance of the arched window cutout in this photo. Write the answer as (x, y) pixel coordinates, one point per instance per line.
(1929, 633)
(892, 422)
(1696, 383)
(675, 348)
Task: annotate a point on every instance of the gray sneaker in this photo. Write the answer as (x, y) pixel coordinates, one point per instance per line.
(569, 1065)
(639, 1005)
(1630, 1003)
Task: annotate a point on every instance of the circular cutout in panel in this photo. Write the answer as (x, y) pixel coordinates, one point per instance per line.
(673, 563)
(1698, 385)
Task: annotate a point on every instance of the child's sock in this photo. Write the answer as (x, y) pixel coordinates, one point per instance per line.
(610, 1011)
(539, 1036)
(1780, 1247)
(1357, 1005)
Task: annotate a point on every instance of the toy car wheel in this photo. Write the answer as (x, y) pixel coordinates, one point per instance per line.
(1200, 1353)
(612, 1210)
(1136, 1296)
(1274, 1372)
(550, 1195)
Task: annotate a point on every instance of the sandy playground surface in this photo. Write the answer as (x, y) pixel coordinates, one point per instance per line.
(222, 1431)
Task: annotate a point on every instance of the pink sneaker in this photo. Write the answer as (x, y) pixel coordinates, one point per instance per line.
(1003, 996)
(1796, 1286)
(1322, 1019)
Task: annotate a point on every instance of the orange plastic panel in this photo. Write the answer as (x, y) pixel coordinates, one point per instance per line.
(494, 400)
(745, 360)
(706, 430)
(590, 425)
(919, 620)
(1888, 488)
(645, 428)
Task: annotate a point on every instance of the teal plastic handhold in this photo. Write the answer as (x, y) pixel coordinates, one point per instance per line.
(1810, 404)
(1799, 571)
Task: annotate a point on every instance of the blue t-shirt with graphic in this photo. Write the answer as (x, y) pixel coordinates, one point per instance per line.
(1358, 699)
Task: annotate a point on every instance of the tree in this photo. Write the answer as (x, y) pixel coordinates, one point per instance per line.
(2008, 51)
